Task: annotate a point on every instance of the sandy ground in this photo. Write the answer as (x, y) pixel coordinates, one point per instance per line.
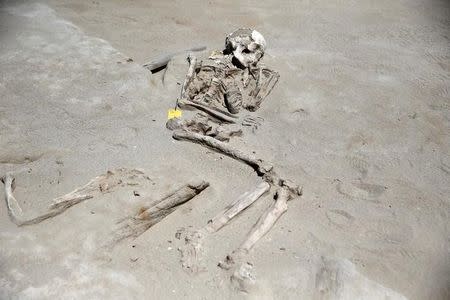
(360, 118)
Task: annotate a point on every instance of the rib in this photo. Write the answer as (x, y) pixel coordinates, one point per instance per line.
(262, 89)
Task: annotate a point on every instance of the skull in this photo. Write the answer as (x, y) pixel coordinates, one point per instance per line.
(246, 45)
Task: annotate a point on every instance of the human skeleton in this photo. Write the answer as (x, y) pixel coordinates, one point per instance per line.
(220, 87)
(224, 84)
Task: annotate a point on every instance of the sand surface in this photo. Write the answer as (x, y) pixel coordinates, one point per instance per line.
(360, 118)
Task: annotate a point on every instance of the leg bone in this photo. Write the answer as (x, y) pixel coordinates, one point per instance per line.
(192, 251)
(149, 216)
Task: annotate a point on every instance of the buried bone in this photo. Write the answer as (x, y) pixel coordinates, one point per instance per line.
(286, 190)
(262, 226)
(146, 217)
(222, 87)
(206, 126)
(241, 270)
(192, 251)
(161, 62)
(99, 185)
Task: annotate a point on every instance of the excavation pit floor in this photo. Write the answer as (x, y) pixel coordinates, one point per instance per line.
(360, 118)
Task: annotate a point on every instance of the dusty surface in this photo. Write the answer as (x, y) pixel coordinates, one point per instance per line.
(360, 117)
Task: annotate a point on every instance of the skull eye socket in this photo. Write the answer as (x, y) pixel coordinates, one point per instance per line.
(246, 51)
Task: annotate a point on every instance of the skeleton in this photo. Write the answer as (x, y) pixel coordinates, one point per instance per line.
(224, 84)
(221, 87)
(131, 226)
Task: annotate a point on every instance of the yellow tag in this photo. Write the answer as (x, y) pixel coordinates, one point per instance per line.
(173, 113)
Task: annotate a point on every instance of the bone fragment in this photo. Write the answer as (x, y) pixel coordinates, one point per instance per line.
(189, 75)
(268, 219)
(99, 184)
(161, 62)
(244, 201)
(262, 226)
(135, 225)
(213, 112)
(192, 251)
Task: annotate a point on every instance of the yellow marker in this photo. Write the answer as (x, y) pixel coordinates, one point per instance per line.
(173, 113)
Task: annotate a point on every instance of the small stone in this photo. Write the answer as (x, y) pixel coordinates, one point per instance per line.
(173, 124)
(178, 233)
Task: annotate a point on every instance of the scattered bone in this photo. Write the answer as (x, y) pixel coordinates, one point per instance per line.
(243, 278)
(19, 158)
(192, 251)
(100, 184)
(132, 227)
(161, 62)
